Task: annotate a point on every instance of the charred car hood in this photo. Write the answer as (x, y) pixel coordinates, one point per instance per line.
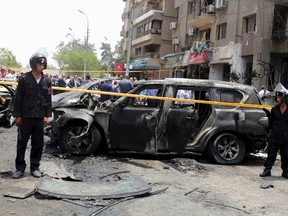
(66, 99)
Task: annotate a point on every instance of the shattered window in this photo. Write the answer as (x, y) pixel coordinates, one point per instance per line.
(230, 96)
(184, 93)
(155, 91)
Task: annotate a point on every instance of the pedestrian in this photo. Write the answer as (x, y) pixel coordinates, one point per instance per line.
(32, 107)
(125, 84)
(107, 87)
(60, 83)
(87, 79)
(263, 92)
(74, 82)
(278, 139)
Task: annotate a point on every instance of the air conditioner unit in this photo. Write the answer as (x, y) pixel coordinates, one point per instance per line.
(210, 9)
(196, 45)
(221, 4)
(175, 41)
(192, 31)
(173, 25)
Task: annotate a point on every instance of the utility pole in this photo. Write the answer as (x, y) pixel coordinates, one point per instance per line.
(130, 35)
(86, 45)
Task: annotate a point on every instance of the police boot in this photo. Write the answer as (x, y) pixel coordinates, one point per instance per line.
(285, 175)
(266, 172)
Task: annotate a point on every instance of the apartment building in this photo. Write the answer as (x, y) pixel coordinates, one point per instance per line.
(236, 40)
(147, 35)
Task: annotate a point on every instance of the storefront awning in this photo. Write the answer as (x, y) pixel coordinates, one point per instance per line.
(198, 58)
(173, 60)
(142, 64)
(221, 61)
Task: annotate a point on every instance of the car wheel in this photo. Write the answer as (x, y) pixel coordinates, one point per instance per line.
(85, 146)
(227, 149)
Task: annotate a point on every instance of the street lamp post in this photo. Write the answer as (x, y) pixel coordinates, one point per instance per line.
(73, 37)
(86, 44)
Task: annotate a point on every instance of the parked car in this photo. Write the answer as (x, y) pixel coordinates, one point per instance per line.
(156, 126)
(6, 109)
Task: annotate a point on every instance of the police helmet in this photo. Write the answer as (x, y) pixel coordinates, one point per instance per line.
(280, 94)
(38, 58)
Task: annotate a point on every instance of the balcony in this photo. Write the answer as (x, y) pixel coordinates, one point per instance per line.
(150, 31)
(202, 21)
(206, 17)
(151, 36)
(151, 11)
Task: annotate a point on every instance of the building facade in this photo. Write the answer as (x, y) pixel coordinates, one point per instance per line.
(243, 41)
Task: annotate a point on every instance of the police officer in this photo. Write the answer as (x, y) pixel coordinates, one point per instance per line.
(32, 107)
(278, 140)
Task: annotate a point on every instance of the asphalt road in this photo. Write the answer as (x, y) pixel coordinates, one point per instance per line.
(191, 186)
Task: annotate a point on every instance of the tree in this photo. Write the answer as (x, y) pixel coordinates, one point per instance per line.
(106, 54)
(8, 59)
(119, 56)
(109, 57)
(71, 56)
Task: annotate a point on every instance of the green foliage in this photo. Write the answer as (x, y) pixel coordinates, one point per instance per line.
(8, 59)
(71, 56)
(110, 57)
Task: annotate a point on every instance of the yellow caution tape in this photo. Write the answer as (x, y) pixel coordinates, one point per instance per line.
(155, 97)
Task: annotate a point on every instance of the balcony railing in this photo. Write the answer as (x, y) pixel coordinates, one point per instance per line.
(150, 31)
(148, 55)
(151, 7)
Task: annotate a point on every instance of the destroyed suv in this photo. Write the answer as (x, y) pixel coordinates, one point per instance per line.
(160, 124)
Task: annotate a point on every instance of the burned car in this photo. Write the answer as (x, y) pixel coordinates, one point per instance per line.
(6, 109)
(80, 99)
(149, 125)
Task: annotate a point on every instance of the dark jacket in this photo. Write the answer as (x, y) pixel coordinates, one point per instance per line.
(278, 123)
(32, 99)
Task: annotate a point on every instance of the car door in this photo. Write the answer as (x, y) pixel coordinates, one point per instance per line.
(181, 120)
(133, 121)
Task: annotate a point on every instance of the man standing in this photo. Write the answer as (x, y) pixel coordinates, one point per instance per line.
(107, 87)
(74, 82)
(60, 83)
(125, 84)
(32, 107)
(278, 139)
(263, 92)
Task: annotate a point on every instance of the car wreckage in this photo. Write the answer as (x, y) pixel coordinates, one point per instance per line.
(6, 109)
(158, 124)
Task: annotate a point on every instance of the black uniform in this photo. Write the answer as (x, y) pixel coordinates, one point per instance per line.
(278, 139)
(32, 103)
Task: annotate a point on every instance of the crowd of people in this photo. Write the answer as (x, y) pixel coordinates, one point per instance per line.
(8, 74)
(124, 84)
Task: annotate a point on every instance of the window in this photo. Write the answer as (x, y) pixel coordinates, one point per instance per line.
(191, 7)
(139, 31)
(156, 24)
(221, 31)
(205, 35)
(230, 96)
(177, 13)
(148, 91)
(138, 51)
(183, 93)
(249, 24)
